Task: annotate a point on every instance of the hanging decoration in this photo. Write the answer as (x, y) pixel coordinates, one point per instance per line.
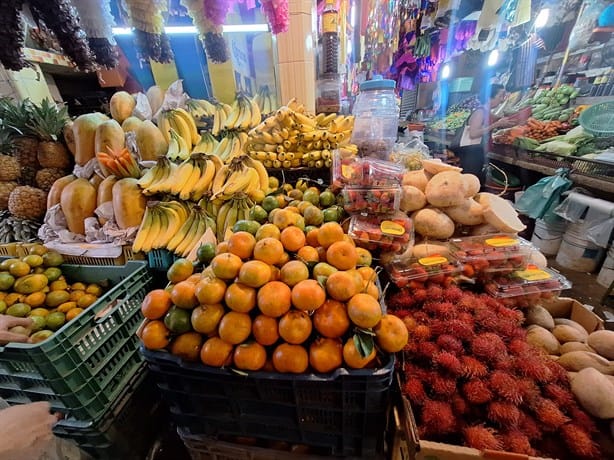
(208, 17)
(148, 23)
(12, 35)
(97, 21)
(63, 20)
(382, 34)
(278, 15)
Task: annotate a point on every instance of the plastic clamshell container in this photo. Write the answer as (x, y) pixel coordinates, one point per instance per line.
(365, 172)
(83, 367)
(434, 268)
(384, 200)
(529, 284)
(492, 252)
(393, 233)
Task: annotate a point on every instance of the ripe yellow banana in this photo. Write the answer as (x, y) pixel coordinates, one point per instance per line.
(182, 233)
(263, 175)
(205, 180)
(184, 172)
(141, 234)
(255, 112)
(173, 151)
(220, 178)
(164, 126)
(221, 219)
(186, 190)
(154, 231)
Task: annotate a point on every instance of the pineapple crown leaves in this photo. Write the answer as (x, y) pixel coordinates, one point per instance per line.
(47, 120)
(16, 115)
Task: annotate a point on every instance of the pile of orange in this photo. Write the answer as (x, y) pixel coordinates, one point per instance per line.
(280, 301)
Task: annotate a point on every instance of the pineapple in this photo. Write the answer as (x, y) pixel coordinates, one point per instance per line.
(9, 166)
(47, 123)
(47, 176)
(27, 203)
(5, 190)
(17, 116)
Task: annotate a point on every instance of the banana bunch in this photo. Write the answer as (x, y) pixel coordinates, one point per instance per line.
(229, 213)
(182, 123)
(244, 114)
(173, 226)
(190, 180)
(200, 108)
(232, 145)
(220, 113)
(264, 100)
(207, 144)
(178, 148)
(242, 174)
(290, 138)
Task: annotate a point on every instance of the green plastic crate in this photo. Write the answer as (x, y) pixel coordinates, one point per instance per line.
(85, 365)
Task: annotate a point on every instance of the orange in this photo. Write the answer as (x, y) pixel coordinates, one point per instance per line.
(293, 272)
(331, 319)
(205, 318)
(269, 250)
(289, 358)
(308, 295)
(242, 244)
(341, 286)
(293, 239)
(342, 255)
(268, 231)
(275, 273)
(391, 334)
(187, 346)
(371, 288)
(264, 329)
(285, 257)
(156, 303)
(367, 273)
(210, 290)
(274, 298)
(364, 257)
(348, 239)
(179, 271)
(73, 313)
(326, 355)
(183, 295)
(330, 233)
(221, 248)
(312, 237)
(240, 297)
(215, 352)
(352, 357)
(226, 266)
(364, 311)
(308, 254)
(255, 273)
(235, 327)
(358, 281)
(283, 219)
(155, 335)
(295, 327)
(195, 278)
(249, 356)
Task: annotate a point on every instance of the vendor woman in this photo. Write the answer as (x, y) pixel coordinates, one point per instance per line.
(476, 133)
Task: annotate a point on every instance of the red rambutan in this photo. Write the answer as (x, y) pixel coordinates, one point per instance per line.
(427, 350)
(476, 392)
(421, 333)
(459, 329)
(486, 318)
(548, 413)
(472, 367)
(400, 300)
(519, 347)
(442, 386)
(503, 364)
(582, 419)
(413, 370)
(579, 441)
(528, 389)
(439, 309)
(481, 438)
(519, 333)
(410, 348)
(420, 295)
(452, 294)
(414, 390)
(488, 346)
(459, 404)
(515, 441)
(448, 362)
(437, 417)
(449, 343)
(528, 426)
(434, 292)
(559, 373)
(533, 365)
(503, 413)
(561, 396)
(465, 317)
(506, 386)
(466, 302)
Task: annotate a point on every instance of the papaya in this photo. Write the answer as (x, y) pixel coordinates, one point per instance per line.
(109, 135)
(155, 96)
(53, 197)
(69, 137)
(105, 190)
(84, 132)
(121, 106)
(128, 203)
(78, 201)
(131, 124)
(150, 141)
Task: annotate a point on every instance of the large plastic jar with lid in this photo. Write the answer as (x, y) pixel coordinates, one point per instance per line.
(376, 120)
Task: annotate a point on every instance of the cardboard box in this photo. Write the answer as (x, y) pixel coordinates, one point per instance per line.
(566, 307)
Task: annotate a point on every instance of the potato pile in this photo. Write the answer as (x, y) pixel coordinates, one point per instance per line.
(444, 202)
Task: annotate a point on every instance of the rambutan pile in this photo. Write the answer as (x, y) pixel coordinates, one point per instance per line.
(471, 375)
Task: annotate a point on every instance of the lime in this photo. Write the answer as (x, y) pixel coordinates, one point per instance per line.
(331, 214)
(250, 226)
(40, 336)
(178, 320)
(205, 253)
(312, 196)
(52, 273)
(52, 259)
(20, 310)
(258, 213)
(313, 215)
(33, 260)
(295, 194)
(270, 203)
(327, 198)
(273, 183)
(6, 281)
(2, 307)
(55, 320)
(38, 322)
(309, 228)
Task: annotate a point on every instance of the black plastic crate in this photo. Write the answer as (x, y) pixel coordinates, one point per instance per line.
(343, 412)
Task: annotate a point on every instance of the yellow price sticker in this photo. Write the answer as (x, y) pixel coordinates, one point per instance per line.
(533, 274)
(391, 228)
(501, 242)
(432, 260)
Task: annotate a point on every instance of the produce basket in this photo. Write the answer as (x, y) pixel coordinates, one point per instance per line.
(551, 160)
(8, 249)
(126, 430)
(82, 368)
(578, 165)
(598, 119)
(343, 413)
(125, 256)
(160, 259)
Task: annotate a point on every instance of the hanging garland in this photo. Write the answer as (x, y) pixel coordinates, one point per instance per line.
(12, 35)
(97, 22)
(208, 17)
(63, 20)
(277, 14)
(148, 24)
